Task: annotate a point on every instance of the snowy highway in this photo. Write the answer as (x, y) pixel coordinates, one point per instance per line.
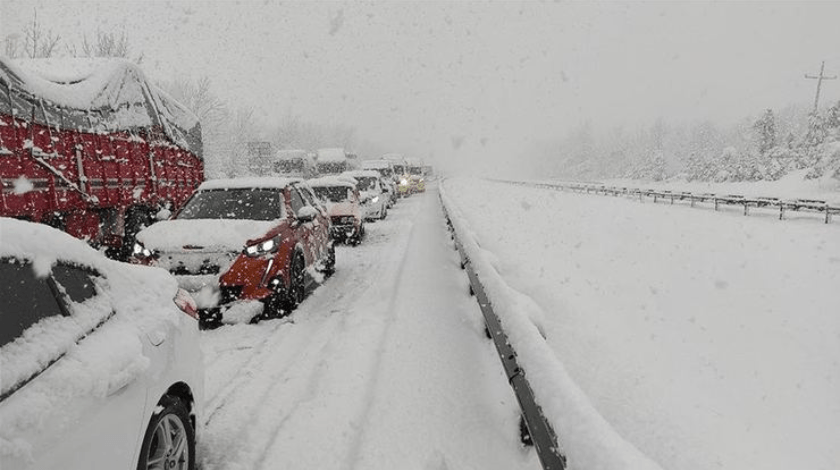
(687, 346)
(383, 366)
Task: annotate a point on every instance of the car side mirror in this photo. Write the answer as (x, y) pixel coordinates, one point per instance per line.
(307, 214)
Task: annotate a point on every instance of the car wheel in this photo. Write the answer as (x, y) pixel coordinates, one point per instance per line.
(274, 307)
(170, 438)
(297, 287)
(329, 262)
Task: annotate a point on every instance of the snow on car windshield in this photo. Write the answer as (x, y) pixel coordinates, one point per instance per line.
(332, 193)
(250, 204)
(366, 183)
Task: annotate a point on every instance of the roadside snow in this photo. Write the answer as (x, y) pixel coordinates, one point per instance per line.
(707, 340)
(791, 186)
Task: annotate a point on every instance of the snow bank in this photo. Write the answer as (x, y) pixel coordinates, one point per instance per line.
(587, 440)
(791, 186)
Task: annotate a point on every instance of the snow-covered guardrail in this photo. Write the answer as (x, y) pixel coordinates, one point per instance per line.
(541, 432)
(782, 205)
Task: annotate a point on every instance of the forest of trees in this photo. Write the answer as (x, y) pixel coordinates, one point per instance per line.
(766, 147)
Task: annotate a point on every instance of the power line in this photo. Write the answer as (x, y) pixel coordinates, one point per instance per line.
(819, 80)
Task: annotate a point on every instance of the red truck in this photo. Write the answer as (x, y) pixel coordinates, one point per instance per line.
(89, 146)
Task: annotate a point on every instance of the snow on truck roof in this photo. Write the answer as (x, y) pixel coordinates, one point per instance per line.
(256, 182)
(331, 155)
(95, 95)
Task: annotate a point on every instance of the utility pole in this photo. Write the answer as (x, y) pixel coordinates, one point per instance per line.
(819, 80)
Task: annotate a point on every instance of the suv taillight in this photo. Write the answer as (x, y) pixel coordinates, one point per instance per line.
(186, 303)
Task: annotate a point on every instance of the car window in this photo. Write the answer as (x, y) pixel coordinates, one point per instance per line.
(77, 282)
(295, 200)
(27, 299)
(238, 203)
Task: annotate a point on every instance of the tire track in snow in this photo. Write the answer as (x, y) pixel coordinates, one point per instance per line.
(370, 394)
(310, 392)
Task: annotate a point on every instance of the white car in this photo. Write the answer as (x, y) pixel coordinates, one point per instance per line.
(373, 197)
(101, 361)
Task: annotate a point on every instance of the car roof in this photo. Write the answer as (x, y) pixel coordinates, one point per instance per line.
(362, 173)
(45, 245)
(267, 182)
(330, 181)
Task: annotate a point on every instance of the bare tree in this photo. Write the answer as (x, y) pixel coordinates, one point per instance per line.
(12, 46)
(106, 45)
(198, 98)
(39, 43)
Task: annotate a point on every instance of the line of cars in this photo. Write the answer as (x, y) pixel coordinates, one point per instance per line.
(101, 362)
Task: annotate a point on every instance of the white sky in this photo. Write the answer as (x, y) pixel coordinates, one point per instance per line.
(413, 75)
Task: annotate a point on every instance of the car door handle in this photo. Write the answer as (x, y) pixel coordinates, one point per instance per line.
(126, 379)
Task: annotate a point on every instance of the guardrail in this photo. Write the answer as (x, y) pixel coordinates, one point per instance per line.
(542, 434)
(782, 205)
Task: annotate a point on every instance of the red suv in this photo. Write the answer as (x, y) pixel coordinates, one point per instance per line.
(243, 241)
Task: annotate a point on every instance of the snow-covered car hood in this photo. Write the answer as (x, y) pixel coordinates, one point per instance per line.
(208, 234)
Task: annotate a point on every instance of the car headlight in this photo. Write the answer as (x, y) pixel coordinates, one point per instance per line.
(374, 200)
(140, 251)
(266, 246)
(403, 181)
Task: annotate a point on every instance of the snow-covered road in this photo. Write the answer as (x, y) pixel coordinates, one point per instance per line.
(384, 366)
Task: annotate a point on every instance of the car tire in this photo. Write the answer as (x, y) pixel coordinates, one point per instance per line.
(177, 451)
(329, 262)
(273, 307)
(297, 285)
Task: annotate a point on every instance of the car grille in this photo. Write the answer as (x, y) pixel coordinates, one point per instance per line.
(343, 220)
(230, 293)
(182, 270)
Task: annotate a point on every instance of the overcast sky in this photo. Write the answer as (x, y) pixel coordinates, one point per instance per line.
(418, 76)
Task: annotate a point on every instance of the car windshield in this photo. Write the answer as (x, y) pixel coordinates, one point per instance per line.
(366, 183)
(332, 193)
(240, 203)
(398, 169)
(289, 166)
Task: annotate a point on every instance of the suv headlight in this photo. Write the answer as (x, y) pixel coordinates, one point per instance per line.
(266, 246)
